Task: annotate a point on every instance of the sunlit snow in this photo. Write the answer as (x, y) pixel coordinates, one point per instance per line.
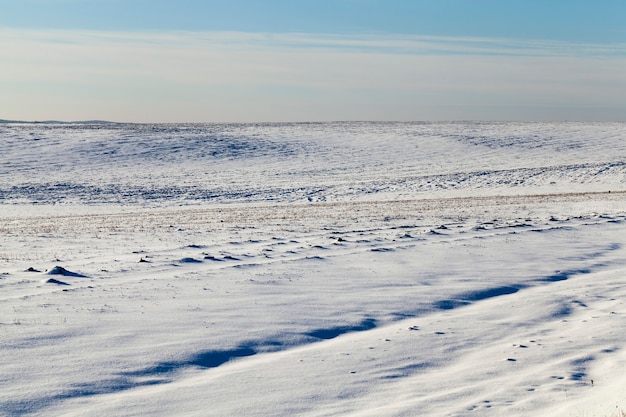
(318, 269)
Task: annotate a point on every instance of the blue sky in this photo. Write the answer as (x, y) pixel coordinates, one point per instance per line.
(301, 60)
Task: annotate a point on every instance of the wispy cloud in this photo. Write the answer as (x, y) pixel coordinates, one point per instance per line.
(395, 44)
(428, 45)
(196, 76)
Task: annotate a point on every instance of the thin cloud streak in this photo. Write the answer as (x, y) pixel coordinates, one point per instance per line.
(402, 44)
(229, 76)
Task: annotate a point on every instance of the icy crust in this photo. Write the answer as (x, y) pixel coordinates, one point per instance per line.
(174, 164)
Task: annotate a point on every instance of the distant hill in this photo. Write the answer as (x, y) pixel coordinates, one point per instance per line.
(56, 121)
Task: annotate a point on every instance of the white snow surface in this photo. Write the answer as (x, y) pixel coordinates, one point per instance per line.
(314, 269)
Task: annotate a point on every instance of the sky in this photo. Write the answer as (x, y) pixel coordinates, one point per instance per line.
(312, 60)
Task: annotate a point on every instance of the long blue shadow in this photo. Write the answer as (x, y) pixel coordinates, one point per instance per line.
(331, 333)
(473, 296)
(208, 359)
(564, 275)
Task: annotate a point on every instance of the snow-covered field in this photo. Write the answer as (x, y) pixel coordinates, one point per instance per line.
(322, 269)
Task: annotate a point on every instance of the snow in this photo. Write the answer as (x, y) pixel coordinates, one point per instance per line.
(320, 269)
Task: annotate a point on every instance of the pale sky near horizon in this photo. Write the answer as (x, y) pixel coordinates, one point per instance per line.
(312, 60)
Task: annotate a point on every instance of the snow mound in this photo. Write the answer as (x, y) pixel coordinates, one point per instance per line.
(59, 270)
(188, 260)
(55, 281)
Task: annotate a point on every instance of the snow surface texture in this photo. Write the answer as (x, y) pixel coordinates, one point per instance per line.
(339, 269)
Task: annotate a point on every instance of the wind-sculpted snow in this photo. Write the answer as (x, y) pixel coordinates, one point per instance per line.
(165, 164)
(118, 143)
(320, 269)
